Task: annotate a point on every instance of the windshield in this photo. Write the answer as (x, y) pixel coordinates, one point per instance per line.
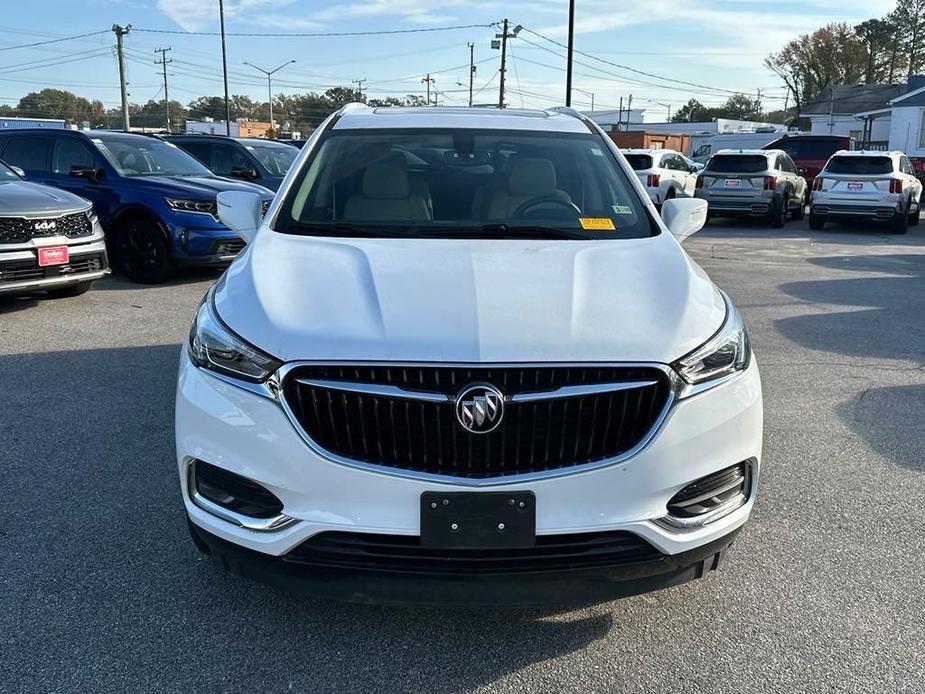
(456, 183)
(639, 162)
(7, 174)
(275, 158)
(809, 149)
(147, 156)
(862, 166)
(731, 163)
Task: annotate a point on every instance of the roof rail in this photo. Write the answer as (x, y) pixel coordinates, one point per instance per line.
(566, 110)
(351, 107)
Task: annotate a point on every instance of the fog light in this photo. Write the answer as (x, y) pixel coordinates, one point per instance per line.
(235, 498)
(710, 498)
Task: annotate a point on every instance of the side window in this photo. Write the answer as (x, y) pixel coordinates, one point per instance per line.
(28, 153)
(227, 158)
(201, 150)
(669, 163)
(69, 153)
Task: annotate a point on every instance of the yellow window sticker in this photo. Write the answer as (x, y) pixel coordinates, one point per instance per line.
(596, 223)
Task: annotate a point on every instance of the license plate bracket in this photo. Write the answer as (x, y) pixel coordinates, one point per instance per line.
(53, 255)
(478, 520)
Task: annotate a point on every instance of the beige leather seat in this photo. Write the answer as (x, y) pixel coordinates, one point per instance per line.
(529, 178)
(388, 196)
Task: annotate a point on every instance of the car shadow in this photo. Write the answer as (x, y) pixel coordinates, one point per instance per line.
(860, 233)
(890, 420)
(10, 303)
(190, 275)
(108, 586)
(885, 316)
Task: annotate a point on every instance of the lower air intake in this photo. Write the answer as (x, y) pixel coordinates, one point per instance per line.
(711, 492)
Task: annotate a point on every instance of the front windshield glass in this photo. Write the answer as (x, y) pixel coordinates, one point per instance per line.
(464, 183)
(275, 158)
(148, 156)
(7, 174)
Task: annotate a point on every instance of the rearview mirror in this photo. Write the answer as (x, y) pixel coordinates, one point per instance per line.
(684, 216)
(240, 211)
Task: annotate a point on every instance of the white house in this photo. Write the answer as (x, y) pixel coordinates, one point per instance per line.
(860, 111)
(907, 119)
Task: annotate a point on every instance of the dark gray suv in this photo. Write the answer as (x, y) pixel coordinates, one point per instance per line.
(248, 158)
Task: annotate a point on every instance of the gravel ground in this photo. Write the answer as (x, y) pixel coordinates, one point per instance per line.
(102, 590)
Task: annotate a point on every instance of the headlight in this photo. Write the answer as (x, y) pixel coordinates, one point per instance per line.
(204, 206)
(726, 352)
(213, 346)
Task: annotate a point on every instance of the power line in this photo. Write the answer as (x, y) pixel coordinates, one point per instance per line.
(58, 40)
(630, 69)
(318, 34)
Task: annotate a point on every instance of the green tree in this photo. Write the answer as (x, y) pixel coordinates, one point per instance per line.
(58, 103)
(832, 54)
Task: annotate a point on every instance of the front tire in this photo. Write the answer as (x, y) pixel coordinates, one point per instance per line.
(779, 213)
(70, 291)
(800, 211)
(900, 222)
(141, 252)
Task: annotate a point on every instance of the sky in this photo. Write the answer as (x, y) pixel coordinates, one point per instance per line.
(717, 45)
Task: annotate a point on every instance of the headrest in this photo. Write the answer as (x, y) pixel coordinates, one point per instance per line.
(383, 180)
(532, 177)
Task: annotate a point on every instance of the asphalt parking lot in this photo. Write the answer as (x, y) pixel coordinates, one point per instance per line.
(102, 590)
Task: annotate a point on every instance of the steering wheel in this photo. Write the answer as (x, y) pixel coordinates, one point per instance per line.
(527, 205)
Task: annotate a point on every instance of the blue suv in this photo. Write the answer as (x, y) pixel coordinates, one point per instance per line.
(155, 201)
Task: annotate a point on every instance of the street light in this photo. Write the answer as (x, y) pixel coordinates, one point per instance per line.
(269, 74)
(591, 94)
(659, 103)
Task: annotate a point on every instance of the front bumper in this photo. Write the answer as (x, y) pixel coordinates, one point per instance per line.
(575, 587)
(251, 435)
(20, 272)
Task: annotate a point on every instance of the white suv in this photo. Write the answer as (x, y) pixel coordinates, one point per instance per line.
(462, 360)
(666, 174)
(872, 185)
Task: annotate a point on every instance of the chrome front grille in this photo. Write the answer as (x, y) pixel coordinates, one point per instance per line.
(21, 229)
(405, 417)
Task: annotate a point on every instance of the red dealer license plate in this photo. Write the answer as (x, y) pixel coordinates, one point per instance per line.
(53, 255)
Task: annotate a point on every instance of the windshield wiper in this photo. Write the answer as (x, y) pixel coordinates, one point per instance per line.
(504, 231)
(342, 229)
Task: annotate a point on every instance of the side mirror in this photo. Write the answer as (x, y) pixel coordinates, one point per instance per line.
(244, 173)
(240, 211)
(684, 216)
(88, 172)
(19, 172)
(801, 171)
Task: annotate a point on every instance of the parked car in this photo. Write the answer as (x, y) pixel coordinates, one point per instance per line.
(664, 173)
(155, 201)
(719, 141)
(248, 158)
(492, 379)
(50, 240)
(811, 152)
(753, 182)
(867, 185)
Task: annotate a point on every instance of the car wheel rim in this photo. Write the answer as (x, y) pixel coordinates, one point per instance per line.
(140, 252)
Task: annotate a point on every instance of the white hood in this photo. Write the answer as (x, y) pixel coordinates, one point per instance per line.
(441, 300)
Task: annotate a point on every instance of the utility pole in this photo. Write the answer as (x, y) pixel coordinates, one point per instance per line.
(121, 31)
(629, 111)
(163, 63)
(221, 17)
(359, 84)
(269, 74)
(620, 114)
(758, 106)
(471, 70)
(571, 49)
(428, 80)
(503, 60)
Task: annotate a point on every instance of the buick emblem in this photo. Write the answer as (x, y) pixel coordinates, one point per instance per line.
(479, 408)
(45, 226)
